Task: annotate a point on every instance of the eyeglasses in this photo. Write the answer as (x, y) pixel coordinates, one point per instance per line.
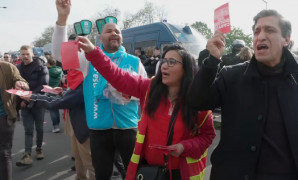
(170, 62)
(5, 57)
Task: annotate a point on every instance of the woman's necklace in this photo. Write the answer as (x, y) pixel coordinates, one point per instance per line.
(172, 103)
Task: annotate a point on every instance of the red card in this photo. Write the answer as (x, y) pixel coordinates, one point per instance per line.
(164, 149)
(69, 55)
(222, 19)
(19, 92)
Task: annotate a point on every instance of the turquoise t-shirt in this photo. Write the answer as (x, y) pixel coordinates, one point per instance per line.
(2, 111)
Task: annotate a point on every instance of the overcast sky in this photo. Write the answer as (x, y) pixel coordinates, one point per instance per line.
(24, 20)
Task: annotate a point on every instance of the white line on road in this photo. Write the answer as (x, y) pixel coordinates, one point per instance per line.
(58, 174)
(35, 175)
(23, 150)
(63, 157)
(71, 177)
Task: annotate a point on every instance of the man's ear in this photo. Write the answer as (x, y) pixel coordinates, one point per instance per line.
(287, 41)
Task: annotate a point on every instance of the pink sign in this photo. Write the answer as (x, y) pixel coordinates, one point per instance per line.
(69, 55)
(164, 149)
(222, 19)
(19, 92)
(49, 89)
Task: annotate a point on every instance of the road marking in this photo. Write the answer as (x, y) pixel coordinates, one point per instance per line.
(71, 177)
(63, 157)
(58, 174)
(23, 150)
(35, 175)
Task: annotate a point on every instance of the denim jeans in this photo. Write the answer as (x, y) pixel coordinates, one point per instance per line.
(6, 136)
(31, 117)
(104, 144)
(55, 116)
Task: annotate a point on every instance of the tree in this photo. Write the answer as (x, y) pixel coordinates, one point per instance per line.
(237, 33)
(148, 15)
(46, 37)
(203, 29)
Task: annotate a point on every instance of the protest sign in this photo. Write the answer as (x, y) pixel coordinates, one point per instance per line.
(222, 19)
(69, 55)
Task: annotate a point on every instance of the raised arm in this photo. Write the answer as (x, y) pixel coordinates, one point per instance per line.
(134, 85)
(60, 31)
(203, 94)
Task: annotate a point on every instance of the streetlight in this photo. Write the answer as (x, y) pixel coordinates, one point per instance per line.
(4, 7)
(265, 3)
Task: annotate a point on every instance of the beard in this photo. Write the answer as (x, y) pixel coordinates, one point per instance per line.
(112, 46)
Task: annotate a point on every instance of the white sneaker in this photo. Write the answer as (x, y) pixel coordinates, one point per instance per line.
(56, 130)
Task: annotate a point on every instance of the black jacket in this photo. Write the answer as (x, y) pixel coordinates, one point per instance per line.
(241, 93)
(72, 100)
(37, 75)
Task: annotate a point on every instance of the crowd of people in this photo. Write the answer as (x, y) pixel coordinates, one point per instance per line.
(121, 107)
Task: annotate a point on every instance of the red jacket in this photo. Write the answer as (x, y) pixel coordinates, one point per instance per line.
(137, 86)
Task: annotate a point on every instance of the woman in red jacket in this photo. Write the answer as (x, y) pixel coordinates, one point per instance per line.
(159, 98)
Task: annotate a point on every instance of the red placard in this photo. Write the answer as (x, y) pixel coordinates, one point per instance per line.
(69, 55)
(222, 19)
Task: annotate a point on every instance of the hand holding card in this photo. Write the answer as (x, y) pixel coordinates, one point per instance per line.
(222, 19)
(165, 149)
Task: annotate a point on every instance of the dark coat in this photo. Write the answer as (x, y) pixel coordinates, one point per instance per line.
(241, 93)
(38, 75)
(72, 100)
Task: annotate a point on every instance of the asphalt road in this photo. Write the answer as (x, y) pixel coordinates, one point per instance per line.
(57, 150)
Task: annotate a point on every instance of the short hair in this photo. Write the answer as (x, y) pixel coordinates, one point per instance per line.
(6, 53)
(285, 25)
(72, 37)
(52, 61)
(26, 47)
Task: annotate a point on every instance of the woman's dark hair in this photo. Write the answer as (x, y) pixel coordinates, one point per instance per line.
(159, 90)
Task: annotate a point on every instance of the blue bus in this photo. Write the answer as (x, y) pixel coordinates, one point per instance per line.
(161, 34)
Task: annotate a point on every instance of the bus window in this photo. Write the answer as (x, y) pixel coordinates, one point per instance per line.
(127, 47)
(144, 44)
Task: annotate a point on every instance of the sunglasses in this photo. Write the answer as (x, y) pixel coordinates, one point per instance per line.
(5, 57)
(171, 62)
